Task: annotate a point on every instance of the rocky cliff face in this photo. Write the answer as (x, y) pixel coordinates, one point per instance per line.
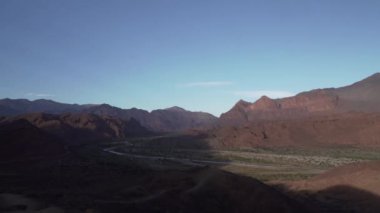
(362, 96)
(343, 129)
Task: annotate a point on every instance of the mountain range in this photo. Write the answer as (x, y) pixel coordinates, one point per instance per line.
(163, 120)
(362, 96)
(341, 116)
(41, 133)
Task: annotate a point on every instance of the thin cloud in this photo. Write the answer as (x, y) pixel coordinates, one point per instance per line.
(255, 94)
(39, 95)
(208, 84)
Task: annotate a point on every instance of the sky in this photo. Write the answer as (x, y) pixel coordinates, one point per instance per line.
(202, 55)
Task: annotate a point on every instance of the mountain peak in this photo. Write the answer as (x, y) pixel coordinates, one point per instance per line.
(242, 102)
(104, 105)
(175, 108)
(264, 98)
(43, 100)
(101, 107)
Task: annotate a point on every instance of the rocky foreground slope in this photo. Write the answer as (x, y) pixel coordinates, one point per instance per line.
(19, 139)
(349, 188)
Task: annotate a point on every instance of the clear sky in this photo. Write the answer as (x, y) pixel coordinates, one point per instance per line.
(197, 54)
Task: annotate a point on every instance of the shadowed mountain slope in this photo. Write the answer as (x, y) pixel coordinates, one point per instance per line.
(19, 139)
(82, 127)
(350, 188)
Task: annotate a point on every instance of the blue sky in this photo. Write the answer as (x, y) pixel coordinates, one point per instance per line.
(203, 55)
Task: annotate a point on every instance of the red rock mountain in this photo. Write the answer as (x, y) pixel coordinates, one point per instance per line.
(362, 96)
(72, 128)
(343, 129)
(165, 120)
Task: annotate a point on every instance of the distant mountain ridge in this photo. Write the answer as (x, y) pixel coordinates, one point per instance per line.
(164, 120)
(44, 135)
(80, 127)
(363, 96)
(21, 106)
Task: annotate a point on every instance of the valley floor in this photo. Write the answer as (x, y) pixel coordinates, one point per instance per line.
(136, 176)
(262, 163)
